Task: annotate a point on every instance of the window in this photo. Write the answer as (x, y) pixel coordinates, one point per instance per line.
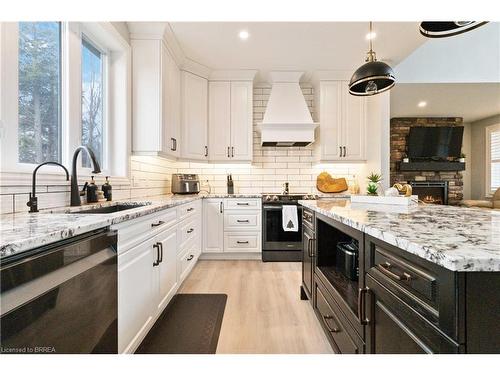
(493, 157)
(92, 101)
(39, 92)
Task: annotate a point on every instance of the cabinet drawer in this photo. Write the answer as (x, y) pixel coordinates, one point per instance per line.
(241, 242)
(188, 229)
(242, 204)
(426, 287)
(185, 261)
(237, 220)
(133, 232)
(188, 209)
(335, 323)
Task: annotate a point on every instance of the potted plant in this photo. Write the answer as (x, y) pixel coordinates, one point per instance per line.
(462, 158)
(373, 183)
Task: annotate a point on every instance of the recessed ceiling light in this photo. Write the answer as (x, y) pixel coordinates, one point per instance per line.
(243, 35)
(371, 35)
(422, 104)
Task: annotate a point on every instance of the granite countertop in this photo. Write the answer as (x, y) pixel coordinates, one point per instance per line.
(457, 238)
(23, 231)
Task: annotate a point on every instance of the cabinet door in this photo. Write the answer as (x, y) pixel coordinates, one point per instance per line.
(194, 117)
(219, 120)
(393, 328)
(213, 226)
(167, 269)
(171, 90)
(353, 125)
(331, 120)
(241, 121)
(146, 95)
(307, 261)
(135, 295)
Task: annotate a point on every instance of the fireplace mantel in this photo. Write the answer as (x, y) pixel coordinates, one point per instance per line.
(432, 166)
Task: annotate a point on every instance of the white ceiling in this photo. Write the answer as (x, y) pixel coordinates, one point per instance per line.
(472, 101)
(306, 46)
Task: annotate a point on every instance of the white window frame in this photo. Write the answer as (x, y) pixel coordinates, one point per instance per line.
(116, 156)
(489, 129)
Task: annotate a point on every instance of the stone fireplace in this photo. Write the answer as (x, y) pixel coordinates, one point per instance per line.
(400, 128)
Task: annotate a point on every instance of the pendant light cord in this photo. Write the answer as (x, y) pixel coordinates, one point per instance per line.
(371, 36)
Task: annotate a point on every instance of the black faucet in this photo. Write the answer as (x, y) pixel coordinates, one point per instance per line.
(75, 192)
(33, 202)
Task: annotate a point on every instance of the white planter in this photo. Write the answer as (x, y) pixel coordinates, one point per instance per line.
(377, 199)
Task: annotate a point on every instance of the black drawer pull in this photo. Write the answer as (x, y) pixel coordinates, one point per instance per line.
(241, 242)
(190, 209)
(243, 221)
(361, 306)
(326, 319)
(190, 257)
(190, 230)
(158, 224)
(242, 204)
(385, 269)
(157, 261)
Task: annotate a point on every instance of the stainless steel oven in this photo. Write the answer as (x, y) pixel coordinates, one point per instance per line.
(278, 245)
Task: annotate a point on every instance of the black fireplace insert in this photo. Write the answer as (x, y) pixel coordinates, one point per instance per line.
(433, 192)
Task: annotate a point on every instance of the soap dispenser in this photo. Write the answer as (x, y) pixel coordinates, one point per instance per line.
(107, 189)
(92, 191)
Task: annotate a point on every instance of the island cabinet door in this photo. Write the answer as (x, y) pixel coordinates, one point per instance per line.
(393, 328)
(307, 260)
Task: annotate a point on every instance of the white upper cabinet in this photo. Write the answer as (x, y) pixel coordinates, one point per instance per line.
(155, 98)
(230, 120)
(219, 120)
(343, 120)
(194, 117)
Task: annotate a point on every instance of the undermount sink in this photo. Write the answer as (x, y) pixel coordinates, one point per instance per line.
(110, 209)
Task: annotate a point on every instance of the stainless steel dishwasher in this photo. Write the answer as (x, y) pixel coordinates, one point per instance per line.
(62, 297)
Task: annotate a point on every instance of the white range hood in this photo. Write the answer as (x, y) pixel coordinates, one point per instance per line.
(287, 121)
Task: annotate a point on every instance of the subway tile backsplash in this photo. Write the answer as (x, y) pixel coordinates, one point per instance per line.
(150, 176)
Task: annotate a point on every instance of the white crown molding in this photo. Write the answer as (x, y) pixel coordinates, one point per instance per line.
(142, 30)
(195, 68)
(232, 75)
(173, 45)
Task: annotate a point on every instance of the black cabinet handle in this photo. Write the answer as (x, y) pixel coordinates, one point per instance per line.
(344, 151)
(243, 221)
(206, 151)
(191, 230)
(310, 247)
(190, 209)
(340, 151)
(175, 144)
(190, 257)
(361, 305)
(161, 251)
(157, 261)
(158, 224)
(241, 242)
(232, 152)
(326, 319)
(385, 269)
(172, 148)
(242, 204)
(220, 207)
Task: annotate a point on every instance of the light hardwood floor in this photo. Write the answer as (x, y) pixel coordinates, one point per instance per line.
(264, 313)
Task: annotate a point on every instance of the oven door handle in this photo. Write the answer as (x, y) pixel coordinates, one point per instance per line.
(275, 208)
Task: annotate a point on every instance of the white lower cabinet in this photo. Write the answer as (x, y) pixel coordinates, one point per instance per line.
(135, 295)
(213, 225)
(232, 225)
(155, 254)
(165, 280)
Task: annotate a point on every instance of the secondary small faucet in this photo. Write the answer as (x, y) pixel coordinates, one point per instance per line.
(33, 202)
(75, 192)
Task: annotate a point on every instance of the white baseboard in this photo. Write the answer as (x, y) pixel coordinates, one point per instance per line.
(231, 256)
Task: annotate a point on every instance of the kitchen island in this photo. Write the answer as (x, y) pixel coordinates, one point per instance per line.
(428, 277)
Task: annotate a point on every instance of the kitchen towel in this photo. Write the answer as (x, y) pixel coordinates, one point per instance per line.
(290, 218)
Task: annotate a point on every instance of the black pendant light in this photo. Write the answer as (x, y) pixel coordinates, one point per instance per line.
(448, 28)
(373, 77)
